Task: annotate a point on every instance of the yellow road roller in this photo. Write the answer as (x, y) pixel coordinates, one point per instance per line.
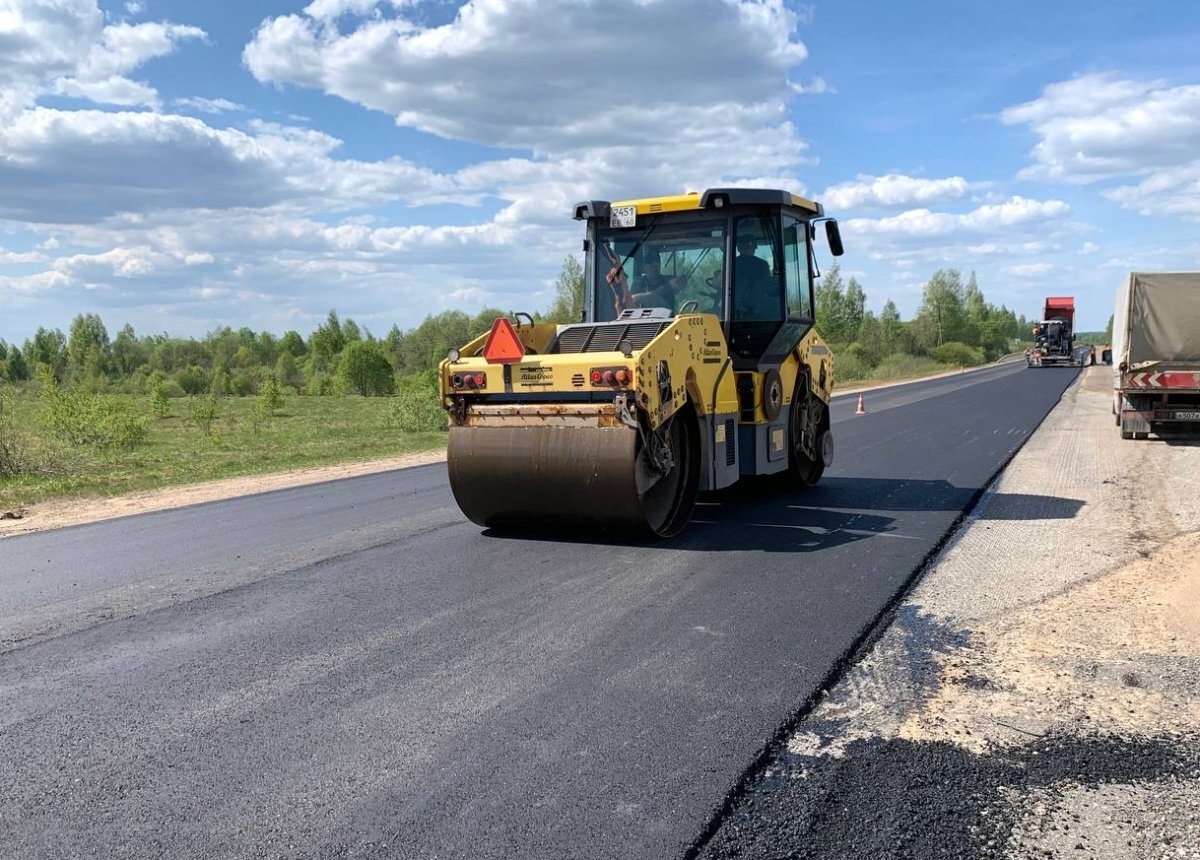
(696, 362)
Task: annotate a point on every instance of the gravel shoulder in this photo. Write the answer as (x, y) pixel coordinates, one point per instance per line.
(1036, 695)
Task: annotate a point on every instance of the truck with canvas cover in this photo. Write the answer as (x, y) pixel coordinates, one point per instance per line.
(1054, 336)
(696, 362)
(1156, 353)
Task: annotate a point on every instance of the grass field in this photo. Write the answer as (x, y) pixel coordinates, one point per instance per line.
(306, 431)
(183, 447)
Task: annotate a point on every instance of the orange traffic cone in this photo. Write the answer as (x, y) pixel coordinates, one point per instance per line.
(862, 405)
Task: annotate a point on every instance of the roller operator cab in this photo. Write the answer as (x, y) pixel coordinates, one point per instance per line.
(696, 362)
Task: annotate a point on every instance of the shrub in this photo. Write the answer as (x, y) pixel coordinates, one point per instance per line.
(159, 402)
(14, 456)
(221, 383)
(193, 380)
(202, 413)
(956, 354)
(287, 372)
(78, 417)
(901, 365)
(18, 457)
(365, 370)
(244, 383)
(270, 400)
(848, 367)
(861, 353)
(153, 378)
(417, 408)
(321, 385)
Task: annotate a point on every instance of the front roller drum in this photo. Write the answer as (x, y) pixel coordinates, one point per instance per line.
(546, 477)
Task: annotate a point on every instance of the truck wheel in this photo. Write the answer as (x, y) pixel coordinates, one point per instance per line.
(1126, 434)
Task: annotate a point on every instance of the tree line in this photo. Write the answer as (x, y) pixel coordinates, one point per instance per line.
(954, 325)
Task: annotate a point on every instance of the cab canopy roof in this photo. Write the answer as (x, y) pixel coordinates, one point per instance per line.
(713, 198)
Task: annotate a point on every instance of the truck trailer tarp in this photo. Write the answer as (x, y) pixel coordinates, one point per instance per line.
(1157, 321)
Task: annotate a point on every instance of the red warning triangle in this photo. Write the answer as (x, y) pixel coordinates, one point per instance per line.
(503, 346)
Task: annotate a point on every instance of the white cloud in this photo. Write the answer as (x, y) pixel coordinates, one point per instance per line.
(206, 105)
(1030, 270)
(986, 249)
(923, 223)
(1089, 248)
(118, 262)
(30, 284)
(817, 86)
(1167, 191)
(328, 10)
(64, 47)
(895, 191)
(14, 257)
(1098, 127)
(540, 75)
(79, 166)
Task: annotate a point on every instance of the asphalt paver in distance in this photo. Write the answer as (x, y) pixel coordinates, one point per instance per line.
(353, 670)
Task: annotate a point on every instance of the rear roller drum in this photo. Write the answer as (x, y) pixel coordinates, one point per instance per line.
(577, 478)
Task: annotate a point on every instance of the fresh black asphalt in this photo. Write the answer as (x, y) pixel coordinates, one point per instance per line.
(353, 670)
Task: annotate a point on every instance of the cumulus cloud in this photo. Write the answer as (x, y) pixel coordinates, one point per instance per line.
(895, 191)
(710, 61)
(79, 166)
(1030, 270)
(30, 284)
(924, 223)
(64, 47)
(1167, 191)
(817, 86)
(14, 257)
(1099, 127)
(213, 106)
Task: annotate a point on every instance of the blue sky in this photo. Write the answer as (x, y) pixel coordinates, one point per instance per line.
(184, 165)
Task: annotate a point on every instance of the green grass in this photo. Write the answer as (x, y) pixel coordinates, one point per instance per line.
(307, 431)
(851, 372)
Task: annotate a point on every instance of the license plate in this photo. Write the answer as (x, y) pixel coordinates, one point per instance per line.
(623, 216)
(1187, 416)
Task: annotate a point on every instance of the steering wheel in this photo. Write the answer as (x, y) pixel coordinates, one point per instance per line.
(688, 307)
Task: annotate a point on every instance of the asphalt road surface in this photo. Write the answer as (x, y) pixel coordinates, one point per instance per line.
(353, 670)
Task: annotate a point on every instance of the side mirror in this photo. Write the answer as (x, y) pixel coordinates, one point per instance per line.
(834, 236)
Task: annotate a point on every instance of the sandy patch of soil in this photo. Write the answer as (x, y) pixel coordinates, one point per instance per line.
(1120, 653)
